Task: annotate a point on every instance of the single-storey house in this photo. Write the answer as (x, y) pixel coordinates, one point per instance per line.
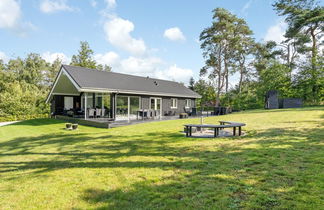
(90, 93)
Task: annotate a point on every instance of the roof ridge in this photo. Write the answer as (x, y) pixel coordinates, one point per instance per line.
(150, 78)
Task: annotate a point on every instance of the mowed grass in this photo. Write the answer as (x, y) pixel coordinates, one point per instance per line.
(279, 164)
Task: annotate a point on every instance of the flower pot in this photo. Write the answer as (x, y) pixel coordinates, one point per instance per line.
(74, 126)
(68, 125)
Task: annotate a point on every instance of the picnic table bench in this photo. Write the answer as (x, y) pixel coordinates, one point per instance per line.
(223, 124)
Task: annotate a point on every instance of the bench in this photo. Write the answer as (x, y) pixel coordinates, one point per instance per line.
(223, 124)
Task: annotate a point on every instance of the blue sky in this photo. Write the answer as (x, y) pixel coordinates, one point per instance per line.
(143, 37)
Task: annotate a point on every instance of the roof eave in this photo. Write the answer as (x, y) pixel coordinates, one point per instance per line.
(105, 90)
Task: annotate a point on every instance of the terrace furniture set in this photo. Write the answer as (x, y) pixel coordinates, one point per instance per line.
(96, 113)
(147, 113)
(216, 128)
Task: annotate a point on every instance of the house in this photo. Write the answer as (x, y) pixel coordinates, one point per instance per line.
(89, 93)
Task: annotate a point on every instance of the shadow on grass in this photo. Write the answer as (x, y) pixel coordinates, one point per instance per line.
(267, 169)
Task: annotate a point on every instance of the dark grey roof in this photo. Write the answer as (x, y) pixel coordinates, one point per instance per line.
(95, 79)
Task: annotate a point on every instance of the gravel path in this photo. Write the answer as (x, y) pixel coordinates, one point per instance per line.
(7, 123)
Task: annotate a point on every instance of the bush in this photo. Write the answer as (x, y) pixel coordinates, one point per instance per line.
(22, 117)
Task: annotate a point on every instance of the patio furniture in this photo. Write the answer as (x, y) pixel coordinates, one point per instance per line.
(103, 112)
(183, 115)
(74, 126)
(156, 113)
(68, 126)
(188, 111)
(144, 113)
(70, 113)
(98, 113)
(91, 113)
(223, 124)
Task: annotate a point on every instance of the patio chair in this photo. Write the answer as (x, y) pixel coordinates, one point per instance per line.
(103, 112)
(98, 113)
(91, 113)
(172, 113)
(157, 113)
(188, 111)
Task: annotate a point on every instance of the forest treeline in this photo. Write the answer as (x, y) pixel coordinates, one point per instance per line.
(25, 83)
(293, 67)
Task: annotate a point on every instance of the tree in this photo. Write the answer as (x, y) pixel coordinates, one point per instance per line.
(216, 48)
(191, 83)
(84, 57)
(104, 67)
(242, 46)
(52, 71)
(207, 92)
(305, 17)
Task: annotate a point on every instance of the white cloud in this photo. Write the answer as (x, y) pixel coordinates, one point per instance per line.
(10, 14)
(51, 57)
(276, 32)
(51, 6)
(140, 66)
(174, 34)
(111, 3)
(109, 58)
(246, 6)
(10, 18)
(141, 60)
(4, 57)
(175, 73)
(93, 3)
(118, 31)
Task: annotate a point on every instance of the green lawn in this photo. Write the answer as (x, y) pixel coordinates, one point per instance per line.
(279, 164)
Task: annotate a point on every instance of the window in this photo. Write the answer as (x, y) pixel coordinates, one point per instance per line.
(68, 103)
(174, 103)
(188, 103)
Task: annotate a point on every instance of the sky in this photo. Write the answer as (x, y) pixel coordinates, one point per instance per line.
(159, 39)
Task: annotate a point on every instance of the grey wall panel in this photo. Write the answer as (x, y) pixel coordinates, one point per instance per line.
(292, 103)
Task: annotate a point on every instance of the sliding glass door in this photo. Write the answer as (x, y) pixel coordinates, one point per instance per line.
(127, 107)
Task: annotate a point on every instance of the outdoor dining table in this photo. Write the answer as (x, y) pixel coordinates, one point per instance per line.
(143, 113)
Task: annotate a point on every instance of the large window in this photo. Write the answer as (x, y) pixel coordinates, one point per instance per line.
(174, 103)
(98, 102)
(68, 103)
(188, 103)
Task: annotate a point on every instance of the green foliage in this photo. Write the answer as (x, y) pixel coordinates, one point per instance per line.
(84, 57)
(306, 17)
(25, 83)
(207, 92)
(21, 100)
(276, 77)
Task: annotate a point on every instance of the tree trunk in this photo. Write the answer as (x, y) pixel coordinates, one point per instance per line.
(314, 64)
(241, 80)
(226, 77)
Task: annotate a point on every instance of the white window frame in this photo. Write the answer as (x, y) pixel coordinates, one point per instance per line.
(176, 103)
(188, 105)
